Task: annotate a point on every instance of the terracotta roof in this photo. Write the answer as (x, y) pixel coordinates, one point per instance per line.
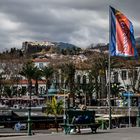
(40, 60)
(33, 82)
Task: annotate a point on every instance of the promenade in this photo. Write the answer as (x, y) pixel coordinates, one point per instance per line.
(114, 134)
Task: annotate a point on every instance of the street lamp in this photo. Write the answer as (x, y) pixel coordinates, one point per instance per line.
(129, 108)
(109, 104)
(129, 105)
(138, 114)
(64, 110)
(29, 116)
(64, 114)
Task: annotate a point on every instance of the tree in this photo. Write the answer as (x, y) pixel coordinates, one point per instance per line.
(55, 108)
(8, 91)
(28, 71)
(47, 72)
(134, 75)
(94, 79)
(88, 89)
(1, 83)
(37, 76)
(116, 89)
(97, 75)
(68, 73)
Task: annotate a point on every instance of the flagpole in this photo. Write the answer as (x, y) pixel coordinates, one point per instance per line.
(109, 72)
(109, 98)
(119, 43)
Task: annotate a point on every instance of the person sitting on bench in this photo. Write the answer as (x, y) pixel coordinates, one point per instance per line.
(80, 119)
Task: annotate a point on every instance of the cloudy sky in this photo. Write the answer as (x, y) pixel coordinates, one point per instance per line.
(80, 22)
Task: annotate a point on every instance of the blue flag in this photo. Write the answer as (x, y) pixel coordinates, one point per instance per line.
(122, 41)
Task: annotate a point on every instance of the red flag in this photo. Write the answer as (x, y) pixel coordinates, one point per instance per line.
(122, 41)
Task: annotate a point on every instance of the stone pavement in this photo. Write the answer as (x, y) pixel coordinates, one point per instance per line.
(114, 134)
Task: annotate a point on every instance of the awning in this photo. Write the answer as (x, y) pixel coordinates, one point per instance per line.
(106, 117)
(101, 118)
(113, 116)
(33, 114)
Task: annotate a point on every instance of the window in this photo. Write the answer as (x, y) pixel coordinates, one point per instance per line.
(116, 77)
(84, 79)
(123, 75)
(40, 65)
(130, 74)
(78, 79)
(135, 74)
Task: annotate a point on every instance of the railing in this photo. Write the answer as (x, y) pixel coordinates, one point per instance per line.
(98, 109)
(115, 110)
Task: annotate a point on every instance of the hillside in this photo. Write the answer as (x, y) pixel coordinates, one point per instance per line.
(49, 47)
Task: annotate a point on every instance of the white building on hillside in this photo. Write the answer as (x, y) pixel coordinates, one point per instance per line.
(41, 63)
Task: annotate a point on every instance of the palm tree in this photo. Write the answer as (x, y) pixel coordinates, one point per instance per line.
(97, 76)
(47, 72)
(94, 79)
(68, 73)
(102, 66)
(28, 71)
(36, 77)
(116, 89)
(8, 91)
(1, 83)
(55, 108)
(88, 89)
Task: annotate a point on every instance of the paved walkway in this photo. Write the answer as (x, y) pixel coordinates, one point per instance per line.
(114, 134)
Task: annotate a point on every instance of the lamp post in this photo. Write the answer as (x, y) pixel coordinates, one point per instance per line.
(64, 115)
(109, 104)
(29, 116)
(129, 108)
(64, 110)
(138, 114)
(85, 99)
(129, 105)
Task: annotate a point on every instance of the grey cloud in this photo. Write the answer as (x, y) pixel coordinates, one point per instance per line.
(75, 21)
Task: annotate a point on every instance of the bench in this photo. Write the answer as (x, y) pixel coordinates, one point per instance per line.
(70, 124)
(124, 125)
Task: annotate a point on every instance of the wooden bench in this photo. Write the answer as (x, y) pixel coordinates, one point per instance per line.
(70, 124)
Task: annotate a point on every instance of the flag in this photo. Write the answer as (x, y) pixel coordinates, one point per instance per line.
(122, 41)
